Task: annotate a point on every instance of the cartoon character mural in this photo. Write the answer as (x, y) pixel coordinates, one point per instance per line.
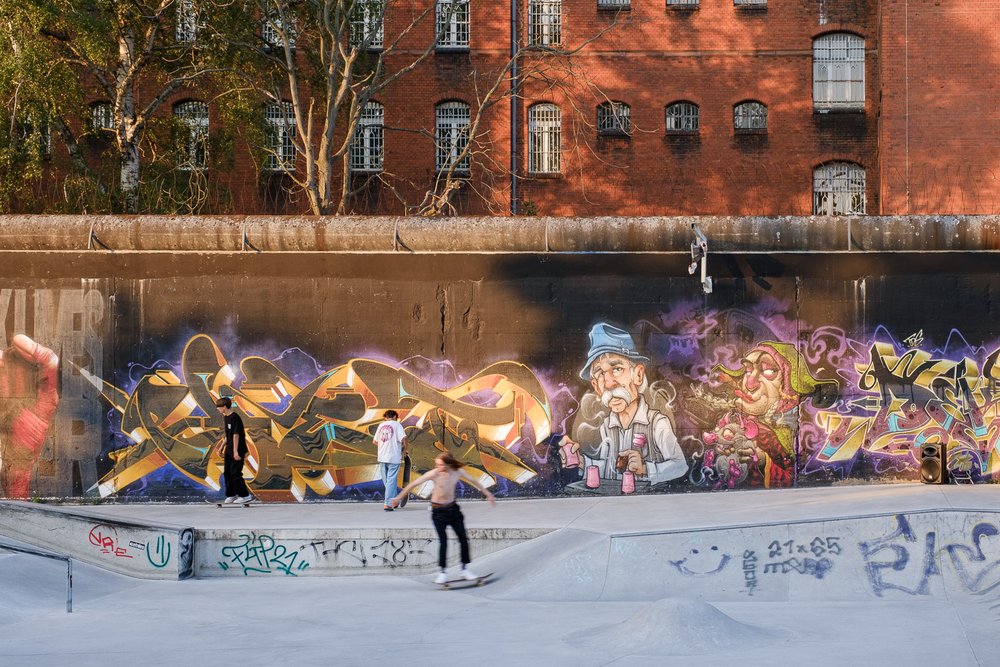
(622, 427)
(318, 436)
(29, 397)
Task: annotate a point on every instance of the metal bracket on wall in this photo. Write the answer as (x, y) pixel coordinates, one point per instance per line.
(699, 255)
(93, 240)
(245, 243)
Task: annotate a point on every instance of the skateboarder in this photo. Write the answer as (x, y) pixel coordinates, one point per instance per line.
(445, 511)
(390, 438)
(235, 453)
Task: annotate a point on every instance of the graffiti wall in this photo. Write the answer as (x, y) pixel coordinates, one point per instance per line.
(544, 377)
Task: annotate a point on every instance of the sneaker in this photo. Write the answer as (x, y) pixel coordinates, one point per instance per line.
(386, 508)
(441, 578)
(469, 575)
(246, 499)
(230, 500)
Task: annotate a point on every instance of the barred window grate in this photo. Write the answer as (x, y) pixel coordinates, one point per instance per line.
(682, 3)
(682, 117)
(749, 117)
(193, 118)
(614, 118)
(368, 147)
(274, 32)
(280, 119)
(544, 22)
(544, 139)
(451, 136)
(187, 23)
(367, 27)
(453, 24)
(751, 4)
(613, 4)
(839, 71)
(839, 189)
(101, 116)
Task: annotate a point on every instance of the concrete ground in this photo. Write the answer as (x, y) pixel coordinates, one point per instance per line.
(404, 619)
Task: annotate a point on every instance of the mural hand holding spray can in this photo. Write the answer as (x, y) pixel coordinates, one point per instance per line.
(29, 397)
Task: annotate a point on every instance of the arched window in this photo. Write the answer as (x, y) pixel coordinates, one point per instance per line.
(453, 21)
(839, 72)
(682, 118)
(451, 136)
(839, 189)
(367, 27)
(544, 22)
(280, 119)
(614, 118)
(101, 117)
(368, 147)
(544, 139)
(193, 119)
(750, 117)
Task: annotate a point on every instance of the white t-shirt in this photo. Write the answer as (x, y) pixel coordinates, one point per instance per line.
(389, 438)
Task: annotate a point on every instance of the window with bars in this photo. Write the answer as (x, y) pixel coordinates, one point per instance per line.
(368, 147)
(682, 118)
(280, 119)
(35, 133)
(367, 27)
(839, 189)
(614, 118)
(274, 32)
(749, 117)
(751, 4)
(613, 4)
(544, 22)
(187, 24)
(101, 117)
(682, 3)
(453, 24)
(544, 139)
(839, 72)
(451, 136)
(192, 116)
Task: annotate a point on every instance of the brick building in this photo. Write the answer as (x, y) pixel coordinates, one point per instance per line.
(680, 107)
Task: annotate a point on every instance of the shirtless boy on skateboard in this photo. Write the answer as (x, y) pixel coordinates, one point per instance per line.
(446, 512)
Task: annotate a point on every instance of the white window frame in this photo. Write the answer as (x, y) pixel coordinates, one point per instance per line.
(281, 151)
(839, 188)
(544, 23)
(192, 115)
(683, 117)
(454, 23)
(614, 4)
(271, 28)
(544, 139)
(102, 117)
(614, 119)
(451, 135)
(368, 24)
(839, 72)
(750, 4)
(749, 117)
(187, 24)
(368, 146)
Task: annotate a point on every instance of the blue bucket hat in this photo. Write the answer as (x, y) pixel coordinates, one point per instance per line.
(606, 339)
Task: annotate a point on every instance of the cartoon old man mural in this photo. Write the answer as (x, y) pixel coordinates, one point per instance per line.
(633, 436)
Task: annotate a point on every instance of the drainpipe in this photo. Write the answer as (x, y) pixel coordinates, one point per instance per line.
(513, 107)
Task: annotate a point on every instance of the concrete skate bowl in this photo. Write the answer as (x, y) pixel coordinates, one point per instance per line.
(906, 556)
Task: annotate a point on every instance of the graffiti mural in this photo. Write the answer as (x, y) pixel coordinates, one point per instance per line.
(318, 437)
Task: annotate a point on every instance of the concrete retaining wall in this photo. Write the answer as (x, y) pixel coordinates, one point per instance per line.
(146, 551)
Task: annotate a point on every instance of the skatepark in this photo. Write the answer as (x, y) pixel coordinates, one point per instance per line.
(898, 574)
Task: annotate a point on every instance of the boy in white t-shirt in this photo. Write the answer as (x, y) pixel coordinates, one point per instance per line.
(391, 441)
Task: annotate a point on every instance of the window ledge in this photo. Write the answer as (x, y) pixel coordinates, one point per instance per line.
(614, 134)
(744, 131)
(682, 133)
(825, 110)
(452, 49)
(683, 8)
(614, 8)
(545, 175)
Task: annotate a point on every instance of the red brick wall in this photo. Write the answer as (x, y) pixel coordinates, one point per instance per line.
(940, 134)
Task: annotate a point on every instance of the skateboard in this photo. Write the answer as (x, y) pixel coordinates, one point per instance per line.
(406, 480)
(236, 504)
(467, 583)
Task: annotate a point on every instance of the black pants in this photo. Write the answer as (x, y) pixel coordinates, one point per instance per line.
(443, 517)
(232, 472)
